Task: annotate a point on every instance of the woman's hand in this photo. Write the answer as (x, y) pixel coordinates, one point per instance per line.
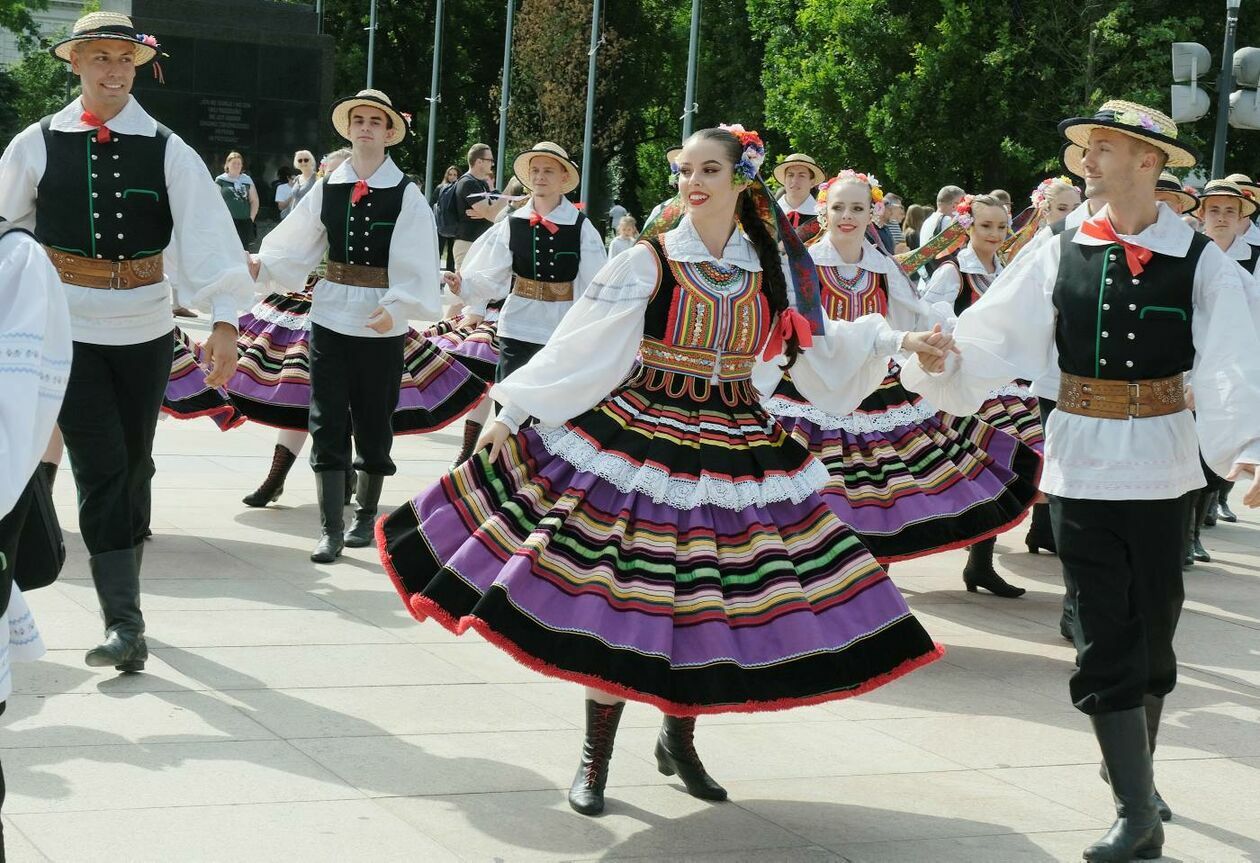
(453, 281)
(495, 436)
(1252, 498)
(932, 348)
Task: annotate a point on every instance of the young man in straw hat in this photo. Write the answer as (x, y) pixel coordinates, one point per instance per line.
(381, 242)
(119, 201)
(540, 258)
(799, 174)
(1125, 305)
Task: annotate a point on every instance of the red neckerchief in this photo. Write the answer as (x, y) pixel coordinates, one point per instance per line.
(538, 219)
(359, 192)
(1100, 228)
(102, 131)
(794, 218)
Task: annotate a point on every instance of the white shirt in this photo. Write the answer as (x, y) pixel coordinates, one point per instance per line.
(296, 246)
(36, 351)
(929, 229)
(808, 207)
(487, 275)
(284, 192)
(1010, 334)
(204, 261)
(1252, 234)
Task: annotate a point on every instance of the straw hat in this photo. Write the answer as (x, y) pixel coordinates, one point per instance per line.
(1136, 121)
(1225, 189)
(520, 165)
(372, 99)
(1170, 185)
(1073, 159)
(672, 154)
(1243, 182)
(107, 25)
(817, 175)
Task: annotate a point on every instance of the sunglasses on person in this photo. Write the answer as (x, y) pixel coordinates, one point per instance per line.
(302, 160)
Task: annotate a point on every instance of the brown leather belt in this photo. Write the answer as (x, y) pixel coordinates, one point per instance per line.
(1121, 400)
(106, 275)
(548, 292)
(357, 274)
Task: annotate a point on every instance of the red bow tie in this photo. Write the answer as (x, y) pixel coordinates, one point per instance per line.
(794, 219)
(359, 192)
(102, 131)
(538, 219)
(1100, 228)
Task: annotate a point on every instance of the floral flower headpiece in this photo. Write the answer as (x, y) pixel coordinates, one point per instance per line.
(1143, 120)
(962, 211)
(747, 168)
(1042, 192)
(849, 175)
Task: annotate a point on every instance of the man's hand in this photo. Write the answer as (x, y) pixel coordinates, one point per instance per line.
(1252, 498)
(454, 281)
(494, 437)
(381, 321)
(932, 348)
(255, 266)
(220, 354)
(471, 320)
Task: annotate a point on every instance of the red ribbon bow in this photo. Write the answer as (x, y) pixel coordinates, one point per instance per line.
(791, 321)
(794, 219)
(538, 219)
(102, 131)
(359, 192)
(1100, 228)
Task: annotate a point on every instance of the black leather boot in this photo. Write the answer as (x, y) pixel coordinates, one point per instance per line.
(1201, 503)
(586, 794)
(1209, 509)
(351, 482)
(362, 530)
(282, 460)
(330, 485)
(472, 432)
(1187, 559)
(1039, 533)
(1067, 618)
(676, 754)
(1154, 708)
(1222, 502)
(1138, 832)
(116, 575)
(979, 572)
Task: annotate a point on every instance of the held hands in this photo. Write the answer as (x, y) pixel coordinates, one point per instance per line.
(932, 348)
(254, 266)
(495, 436)
(220, 354)
(381, 321)
(471, 320)
(1252, 497)
(454, 281)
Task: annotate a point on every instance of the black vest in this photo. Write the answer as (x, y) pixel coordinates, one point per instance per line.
(1113, 325)
(361, 234)
(543, 256)
(1250, 263)
(107, 200)
(971, 286)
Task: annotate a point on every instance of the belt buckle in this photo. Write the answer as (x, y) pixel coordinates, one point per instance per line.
(115, 279)
(1135, 393)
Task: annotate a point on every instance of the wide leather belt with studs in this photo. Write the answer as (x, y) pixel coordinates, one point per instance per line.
(547, 292)
(357, 274)
(106, 275)
(1121, 400)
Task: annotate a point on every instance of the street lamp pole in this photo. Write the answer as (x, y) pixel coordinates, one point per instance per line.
(590, 103)
(434, 98)
(371, 42)
(1225, 86)
(504, 99)
(689, 106)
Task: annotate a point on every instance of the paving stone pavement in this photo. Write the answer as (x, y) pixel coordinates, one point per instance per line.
(296, 712)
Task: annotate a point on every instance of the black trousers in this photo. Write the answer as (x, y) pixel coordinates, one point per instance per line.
(354, 383)
(513, 354)
(1122, 561)
(108, 420)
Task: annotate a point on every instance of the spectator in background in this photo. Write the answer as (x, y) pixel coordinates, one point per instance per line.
(303, 181)
(1003, 196)
(615, 214)
(916, 214)
(513, 189)
(282, 189)
(446, 244)
(476, 211)
(894, 212)
(627, 233)
(946, 198)
(240, 196)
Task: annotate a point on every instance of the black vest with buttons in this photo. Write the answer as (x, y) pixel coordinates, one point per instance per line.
(361, 233)
(106, 201)
(543, 256)
(1113, 325)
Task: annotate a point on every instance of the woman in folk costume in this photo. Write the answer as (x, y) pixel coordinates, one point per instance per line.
(961, 280)
(799, 175)
(908, 480)
(659, 537)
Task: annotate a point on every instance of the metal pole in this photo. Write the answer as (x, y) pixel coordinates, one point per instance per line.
(503, 97)
(1225, 86)
(371, 41)
(434, 98)
(319, 16)
(590, 102)
(689, 106)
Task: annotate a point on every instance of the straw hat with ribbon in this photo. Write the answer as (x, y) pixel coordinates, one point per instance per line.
(1225, 189)
(1136, 121)
(520, 165)
(1242, 181)
(1168, 184)
(817, 175)
(370, 99)
(107, 25)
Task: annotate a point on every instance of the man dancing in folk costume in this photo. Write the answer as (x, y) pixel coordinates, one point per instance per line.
(119, 201)
(908, 480)
(379, 235)
(799, 175)
(1125, 305)
(659, 537)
